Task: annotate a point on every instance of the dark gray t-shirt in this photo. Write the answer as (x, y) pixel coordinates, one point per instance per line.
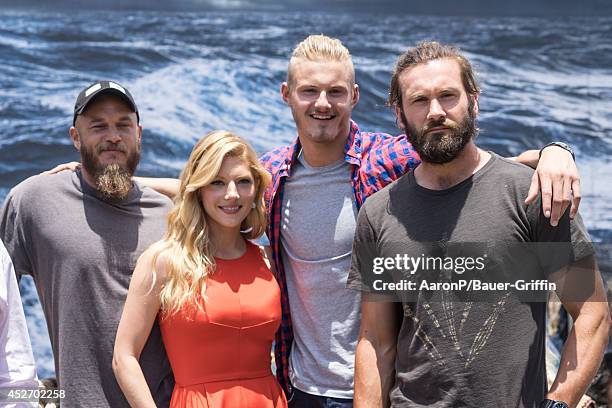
(81, 251)
(454, 350)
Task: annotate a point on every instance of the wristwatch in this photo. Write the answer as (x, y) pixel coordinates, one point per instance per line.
(562, 145)
(547, 403)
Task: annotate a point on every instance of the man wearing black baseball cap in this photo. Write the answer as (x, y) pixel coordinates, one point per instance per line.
(99, 87)
(79, 235)
(111, 177)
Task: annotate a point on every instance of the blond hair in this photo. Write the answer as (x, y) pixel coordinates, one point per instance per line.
(186, 248)
(320, 48)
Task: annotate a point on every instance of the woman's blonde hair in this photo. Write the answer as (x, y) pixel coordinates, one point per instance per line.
(186, 249)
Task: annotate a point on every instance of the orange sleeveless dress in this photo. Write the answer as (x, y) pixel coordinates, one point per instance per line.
(220, 355)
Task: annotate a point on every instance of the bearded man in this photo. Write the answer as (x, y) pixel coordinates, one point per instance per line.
(472, 347)
(79, 235)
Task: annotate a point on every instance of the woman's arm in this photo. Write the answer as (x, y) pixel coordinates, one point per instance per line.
(139, 313)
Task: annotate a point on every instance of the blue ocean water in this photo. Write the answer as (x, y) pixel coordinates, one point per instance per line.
(543, 80)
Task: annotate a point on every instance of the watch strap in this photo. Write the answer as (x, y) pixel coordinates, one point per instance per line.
(562, 145)
(548, 403)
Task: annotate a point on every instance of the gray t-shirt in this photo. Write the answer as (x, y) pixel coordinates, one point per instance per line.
(454, 351)
(317, 229)
(81, 251)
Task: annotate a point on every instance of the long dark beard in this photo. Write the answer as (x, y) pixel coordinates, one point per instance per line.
(442, 147)
(113, 181)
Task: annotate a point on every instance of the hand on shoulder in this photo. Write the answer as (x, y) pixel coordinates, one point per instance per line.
(73, 166)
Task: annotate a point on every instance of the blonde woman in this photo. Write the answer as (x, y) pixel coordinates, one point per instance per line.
(212, 290)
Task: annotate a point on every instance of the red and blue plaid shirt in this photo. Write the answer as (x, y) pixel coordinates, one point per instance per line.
(377, 159)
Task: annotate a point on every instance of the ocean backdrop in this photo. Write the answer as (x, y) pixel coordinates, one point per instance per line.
(544, 79)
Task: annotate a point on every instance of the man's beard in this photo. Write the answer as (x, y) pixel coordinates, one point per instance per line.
(443, 146)
(113, 181)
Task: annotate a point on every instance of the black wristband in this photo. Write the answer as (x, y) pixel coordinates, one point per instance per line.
(547, 403)
(562, 145)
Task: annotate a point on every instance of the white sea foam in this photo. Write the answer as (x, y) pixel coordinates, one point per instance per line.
(226, 4)
(256, 33)
(209, 21)
(16, 42)
(185, 100)
(596, 179)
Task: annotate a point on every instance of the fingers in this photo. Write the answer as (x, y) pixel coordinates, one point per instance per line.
(558, 192)
(576, 196)
(565, 196)
(54, 170)
(534, 188)
(73, 166)
(546, 187)
(64, 166)
(586, 402)
(556, 172)
(560, 202)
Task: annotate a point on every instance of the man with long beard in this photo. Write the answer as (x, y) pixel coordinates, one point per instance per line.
(451, 348)
(79, 235)
(437, 146)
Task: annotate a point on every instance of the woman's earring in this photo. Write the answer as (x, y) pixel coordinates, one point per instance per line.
(253, 205)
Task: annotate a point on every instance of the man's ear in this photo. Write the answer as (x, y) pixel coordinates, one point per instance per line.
(355, 95)
(284, 91)
(398, 118)
(139, 134)
(74, 135)
(475, 109)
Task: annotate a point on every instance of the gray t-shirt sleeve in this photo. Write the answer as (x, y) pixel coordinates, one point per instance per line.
(12, 233)
(367, 272)
(365, 267)
(558, 246)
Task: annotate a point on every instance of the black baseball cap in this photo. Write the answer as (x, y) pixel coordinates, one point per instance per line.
(98, 88)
